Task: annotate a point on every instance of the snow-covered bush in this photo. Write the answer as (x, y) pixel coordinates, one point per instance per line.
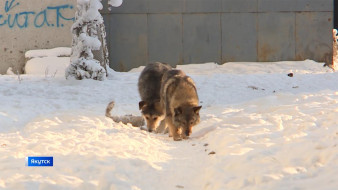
(85, 41)
(89, 57)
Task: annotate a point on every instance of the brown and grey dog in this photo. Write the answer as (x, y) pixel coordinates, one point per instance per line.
(149, 86)
(180, 100)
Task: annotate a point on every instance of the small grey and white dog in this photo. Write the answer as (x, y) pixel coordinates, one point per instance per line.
(180, 100)
(136, 121)
(149, 87)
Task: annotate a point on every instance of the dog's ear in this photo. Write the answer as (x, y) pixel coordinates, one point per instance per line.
(197, 109)
(141, 104)
(178, 111)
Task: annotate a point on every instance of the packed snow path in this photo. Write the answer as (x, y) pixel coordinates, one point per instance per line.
(260, 129)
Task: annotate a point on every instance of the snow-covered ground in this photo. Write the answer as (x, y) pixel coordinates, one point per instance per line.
(260, 129)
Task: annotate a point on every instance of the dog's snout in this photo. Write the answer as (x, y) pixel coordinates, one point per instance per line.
(187, 132)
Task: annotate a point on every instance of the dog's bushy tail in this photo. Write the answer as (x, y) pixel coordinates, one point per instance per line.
(136, 121)
(110, 106)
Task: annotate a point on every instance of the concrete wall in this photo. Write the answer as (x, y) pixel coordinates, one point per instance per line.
(197, 31)
(33, 24)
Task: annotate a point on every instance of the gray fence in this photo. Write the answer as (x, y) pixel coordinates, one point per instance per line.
(198, 31)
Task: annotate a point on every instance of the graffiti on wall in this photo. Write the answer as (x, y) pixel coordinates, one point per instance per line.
(51, 16)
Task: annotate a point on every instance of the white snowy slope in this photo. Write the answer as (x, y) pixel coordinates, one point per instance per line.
(260, 129)
(47, 62)
(47, 66)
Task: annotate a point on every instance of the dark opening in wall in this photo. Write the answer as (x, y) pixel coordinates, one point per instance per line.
(335, 12)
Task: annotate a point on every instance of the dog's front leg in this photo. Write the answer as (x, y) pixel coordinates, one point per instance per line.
(173, 130)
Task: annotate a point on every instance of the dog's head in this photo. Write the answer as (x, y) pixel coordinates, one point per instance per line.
(152, 113)
(186, 117)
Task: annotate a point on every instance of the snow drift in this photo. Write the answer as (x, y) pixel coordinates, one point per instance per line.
(260, 129)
